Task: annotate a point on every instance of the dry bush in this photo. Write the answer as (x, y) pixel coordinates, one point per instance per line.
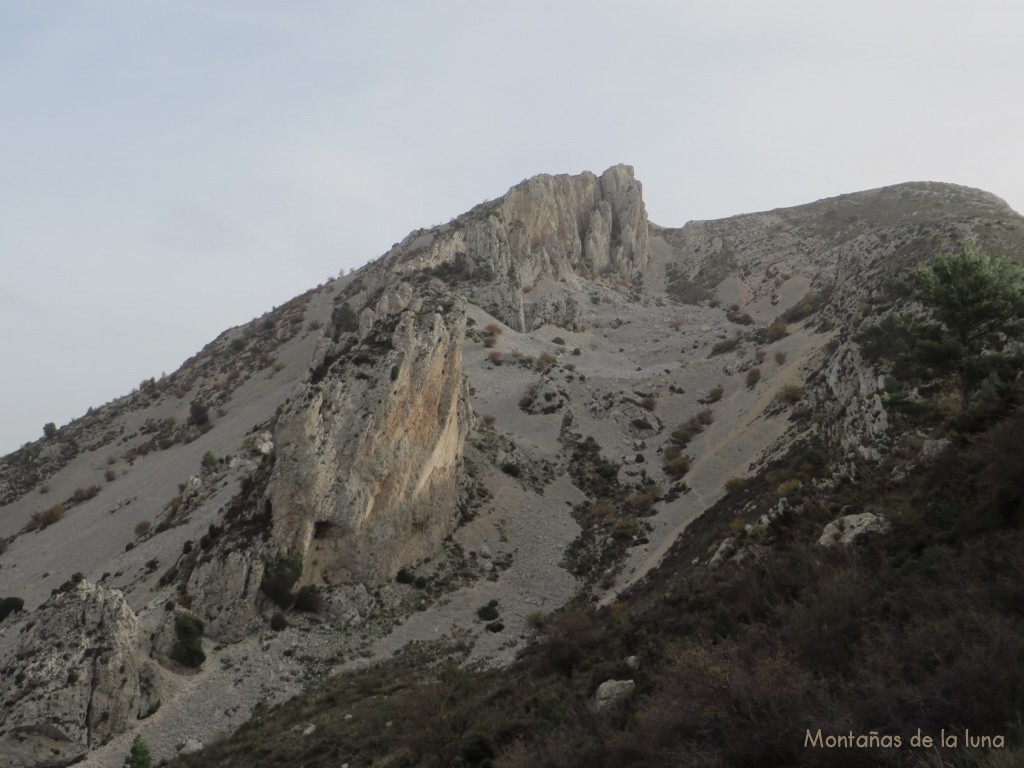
(495, 357)
(490, 341)
(760, 354)
(780, 357)
(648, 402)
(776, 330)
(715, 394)
(753, 376)
(544, 362)
(41, 520)
(788, 487)
(142, 528)
(110, 475)
(641, 502)
(706, 416)
(84, 494)
(791, 393)
(727, 345)
(678, 466)
(494, 329)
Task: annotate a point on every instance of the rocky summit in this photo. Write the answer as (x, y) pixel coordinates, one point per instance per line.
(526, 407)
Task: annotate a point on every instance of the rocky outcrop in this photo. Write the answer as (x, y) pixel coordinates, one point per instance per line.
(368, 462)
(611, 693)
(847, 529)
(557, 227)
(76, 674)
(225, 590)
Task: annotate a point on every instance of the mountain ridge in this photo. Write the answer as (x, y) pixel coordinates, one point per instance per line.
(358, 428)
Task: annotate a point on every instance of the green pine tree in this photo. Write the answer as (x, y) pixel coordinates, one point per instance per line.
(139, 756)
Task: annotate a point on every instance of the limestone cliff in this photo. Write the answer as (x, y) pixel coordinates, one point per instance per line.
(368, 461)
(556, 227)
(75, 674)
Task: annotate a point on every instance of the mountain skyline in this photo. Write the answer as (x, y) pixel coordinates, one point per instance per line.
(177, 168)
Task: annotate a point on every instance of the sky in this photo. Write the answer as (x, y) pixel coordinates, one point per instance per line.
(173, 168)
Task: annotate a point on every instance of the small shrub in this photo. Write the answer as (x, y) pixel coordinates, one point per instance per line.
(10, 605)
(84, 494)
(776, 330)
(49, 430)
(404, 576)
(715, 394)
(209, 460)
(733, 484)
(494, 329)
(175, 504)
(278, 622)
(642, 502)
(110, 475)
(808, 305)
(677, 466)
(559, 341)
(42, 520)
(780, 357)
(139, 756)
(344, 319)
(788, 487)
(489, 419)
(706, 416)
(490, 341)
(753, 376)
(545, 361)
(791, 393)
(510, 469)
(198, 414)
(495, 357)
(726, 345)
(760, 355)
(188, 649)
(142, 528)
(308, 599)
(488, 612)
(279, 577)
(641, 424)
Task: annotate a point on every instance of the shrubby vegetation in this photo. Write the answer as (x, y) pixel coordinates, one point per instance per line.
(279, 577)
(9, 605)
(188, 648)
(964, 357)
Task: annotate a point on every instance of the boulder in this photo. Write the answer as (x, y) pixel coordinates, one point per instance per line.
(611, 693)
(847, 529)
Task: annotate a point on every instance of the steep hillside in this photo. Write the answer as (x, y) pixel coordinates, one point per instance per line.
(526, 405)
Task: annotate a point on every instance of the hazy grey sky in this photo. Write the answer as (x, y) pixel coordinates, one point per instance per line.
(171, 168)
